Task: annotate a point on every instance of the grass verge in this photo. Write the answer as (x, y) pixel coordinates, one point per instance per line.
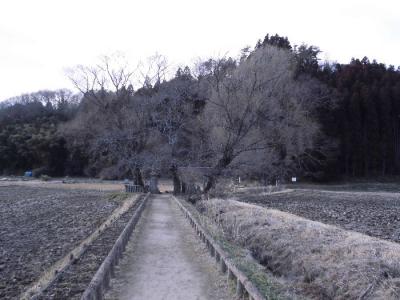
(270, 286)
(316, 260)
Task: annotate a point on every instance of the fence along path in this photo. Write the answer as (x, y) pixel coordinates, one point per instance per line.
(164, 259)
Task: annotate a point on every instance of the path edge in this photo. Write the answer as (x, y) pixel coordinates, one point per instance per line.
(101, 280)
(243, 283)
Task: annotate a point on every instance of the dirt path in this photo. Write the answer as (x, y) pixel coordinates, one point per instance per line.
(164, 260)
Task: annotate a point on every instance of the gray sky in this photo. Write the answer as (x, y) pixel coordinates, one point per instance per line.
(39, 39)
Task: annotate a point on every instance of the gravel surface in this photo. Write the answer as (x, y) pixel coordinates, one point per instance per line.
(39, 226)
(375, 214)
(166, 260)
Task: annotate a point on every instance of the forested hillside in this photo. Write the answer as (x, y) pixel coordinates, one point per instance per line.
(367, 118)
(29, 137)
(273, 112)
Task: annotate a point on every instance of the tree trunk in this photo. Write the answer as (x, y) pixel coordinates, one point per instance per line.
(137, 177)
(211, 180)
(396, 146)
(347, 165)
(383, 158)
(176, 180)
(221, 165)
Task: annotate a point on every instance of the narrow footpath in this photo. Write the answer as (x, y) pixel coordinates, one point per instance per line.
(165, 260)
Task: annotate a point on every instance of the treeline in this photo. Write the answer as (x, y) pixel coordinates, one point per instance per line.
(273, 112)
(365, 120)
(29, 138)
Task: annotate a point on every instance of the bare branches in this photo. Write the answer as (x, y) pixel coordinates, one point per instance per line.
(153, 71)
(112, 74)
(115, 71)
(252, 112)
(259, 107)
(85, 78)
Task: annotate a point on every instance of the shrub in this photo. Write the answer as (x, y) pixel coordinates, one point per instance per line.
(45, 177)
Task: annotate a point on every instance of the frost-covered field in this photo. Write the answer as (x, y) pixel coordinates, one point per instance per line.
(39, 226)
(374, 211)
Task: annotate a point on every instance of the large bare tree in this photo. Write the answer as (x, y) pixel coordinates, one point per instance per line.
(258, 110)
(113, 122)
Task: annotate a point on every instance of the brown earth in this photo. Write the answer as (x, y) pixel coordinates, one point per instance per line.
(73, 281)
(373, 213)
(39, 226)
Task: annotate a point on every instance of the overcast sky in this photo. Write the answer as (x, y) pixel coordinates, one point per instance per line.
(39, 39)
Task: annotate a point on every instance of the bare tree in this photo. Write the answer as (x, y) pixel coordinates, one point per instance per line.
(112, 74)
(111, 122)
(254, 114)
(154, 70)
(259, 107)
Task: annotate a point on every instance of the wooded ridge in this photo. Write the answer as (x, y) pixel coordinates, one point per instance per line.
(274, 112)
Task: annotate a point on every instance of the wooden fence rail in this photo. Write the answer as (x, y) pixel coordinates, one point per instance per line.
(101, 280)
(132, 188)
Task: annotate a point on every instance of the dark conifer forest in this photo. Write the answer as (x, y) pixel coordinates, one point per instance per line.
(291, 114)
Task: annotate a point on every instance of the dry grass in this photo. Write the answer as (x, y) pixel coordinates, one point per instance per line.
(82, 184)
(273, 288)
(321, 261)
(58, 184)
